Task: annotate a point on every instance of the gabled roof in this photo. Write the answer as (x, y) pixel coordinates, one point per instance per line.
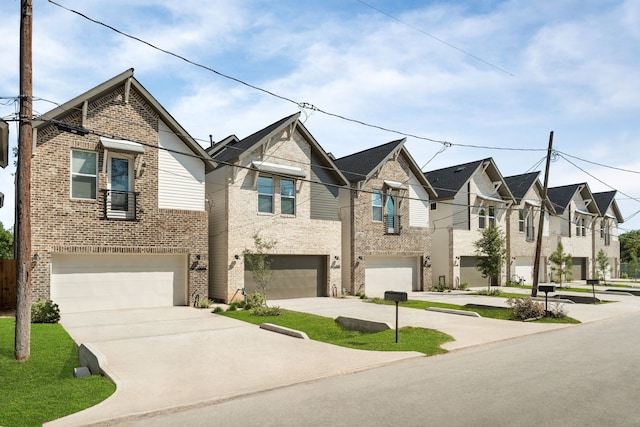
(234, 149)
(450, 180)
(364, 164)
(123, 79)
(521, 184)
(606, 200)
(560, 197)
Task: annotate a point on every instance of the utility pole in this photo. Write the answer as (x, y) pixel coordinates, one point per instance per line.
(23, 220)
(536, 259)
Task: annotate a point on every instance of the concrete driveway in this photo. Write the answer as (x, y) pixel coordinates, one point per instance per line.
(173, 357)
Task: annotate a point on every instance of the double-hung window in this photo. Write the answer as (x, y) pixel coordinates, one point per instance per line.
(376, 205)
(265, 194)
(84, 174)
(492, 216)
(581, 227)
(287, 196)
(521, 221)
(482, 220)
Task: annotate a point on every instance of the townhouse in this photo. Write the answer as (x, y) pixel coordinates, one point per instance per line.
(470, 197)
(386, 243)
(117, 203)
(280, 185)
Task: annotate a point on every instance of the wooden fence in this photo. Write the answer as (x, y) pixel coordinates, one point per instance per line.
(7, 284)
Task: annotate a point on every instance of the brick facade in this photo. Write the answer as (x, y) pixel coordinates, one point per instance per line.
(369, 237)
(235, 218)
(64, 225)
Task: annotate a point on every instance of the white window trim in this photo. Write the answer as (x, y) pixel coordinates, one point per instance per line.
(272, 195)
(72, 174)
(294, 197)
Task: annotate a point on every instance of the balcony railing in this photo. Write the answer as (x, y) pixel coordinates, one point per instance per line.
(120, 205)
(392, 224)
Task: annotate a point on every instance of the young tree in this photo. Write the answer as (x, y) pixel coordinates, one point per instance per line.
(491, 253)
(6, 243)
(562, 264)
(259, 262)
(602, 265)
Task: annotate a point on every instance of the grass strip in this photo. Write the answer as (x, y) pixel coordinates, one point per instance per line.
(43, 388)
(501, 313)
(325, 329)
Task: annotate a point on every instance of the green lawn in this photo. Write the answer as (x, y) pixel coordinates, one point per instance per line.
(43, 388)
(427, 341)
(502, 313)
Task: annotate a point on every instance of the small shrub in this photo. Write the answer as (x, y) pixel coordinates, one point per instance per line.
(218, 310)
(361, 295)
(463, 285)
(526, 308)
(254, 300)
(266, 311)
(234, 306)
(557, 311)
(203, 303)
(45, 312)
(439, 288)
(624, 276)
(491, 293)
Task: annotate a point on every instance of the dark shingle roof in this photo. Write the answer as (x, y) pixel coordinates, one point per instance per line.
(448, 181)
(520, 184)
(233, 150)
(561, 196)
(604, 200)
(357, 167)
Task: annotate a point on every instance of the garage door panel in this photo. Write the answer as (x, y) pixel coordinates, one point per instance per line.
(105, 282)
(391, 273)
(293, 276)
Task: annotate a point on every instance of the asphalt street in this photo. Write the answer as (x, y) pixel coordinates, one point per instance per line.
(585, 375)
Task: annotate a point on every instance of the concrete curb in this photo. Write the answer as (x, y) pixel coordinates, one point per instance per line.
(285, 331)
(354, 324)
(452, 311)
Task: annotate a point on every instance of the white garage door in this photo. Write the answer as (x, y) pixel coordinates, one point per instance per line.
(109, 282)
(391, 274)
(524, 269)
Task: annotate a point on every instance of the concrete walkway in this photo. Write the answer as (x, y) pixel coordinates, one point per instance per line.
(168, 358)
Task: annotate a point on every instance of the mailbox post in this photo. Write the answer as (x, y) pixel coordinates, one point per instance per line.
(397, 297)
(546, 289)
(593, 282)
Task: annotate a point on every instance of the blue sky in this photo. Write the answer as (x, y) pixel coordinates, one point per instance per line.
(518, 70)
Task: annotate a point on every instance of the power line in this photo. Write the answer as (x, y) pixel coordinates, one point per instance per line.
(436, 38)
(303, 105)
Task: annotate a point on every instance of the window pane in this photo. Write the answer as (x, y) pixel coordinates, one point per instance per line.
(265, 204)
(119, 174)
(288, 206)
(287, 188)
(83, 187)
(265, 185)
(376, 205)
(84, 162)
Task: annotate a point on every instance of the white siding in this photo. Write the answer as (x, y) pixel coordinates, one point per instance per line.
(418, 204)
(180, 177)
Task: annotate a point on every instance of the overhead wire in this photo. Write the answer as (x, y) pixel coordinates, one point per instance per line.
(304, 105)
(420, 30)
